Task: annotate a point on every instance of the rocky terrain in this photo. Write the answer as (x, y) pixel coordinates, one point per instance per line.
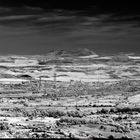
(70, 95)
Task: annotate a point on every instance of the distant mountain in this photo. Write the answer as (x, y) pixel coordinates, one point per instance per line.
(71, 53)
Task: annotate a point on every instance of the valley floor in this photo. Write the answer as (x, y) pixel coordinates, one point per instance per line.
(84, 100)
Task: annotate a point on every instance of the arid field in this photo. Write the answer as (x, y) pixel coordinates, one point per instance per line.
(81, 97)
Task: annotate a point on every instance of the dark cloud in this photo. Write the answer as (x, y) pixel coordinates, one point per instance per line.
(37, 27)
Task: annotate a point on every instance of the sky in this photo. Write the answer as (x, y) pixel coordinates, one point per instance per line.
(39, 26)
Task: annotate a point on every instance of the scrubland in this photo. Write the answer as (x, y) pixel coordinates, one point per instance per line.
(88, 98)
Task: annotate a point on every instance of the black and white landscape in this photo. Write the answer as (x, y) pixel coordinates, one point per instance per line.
(69, 69)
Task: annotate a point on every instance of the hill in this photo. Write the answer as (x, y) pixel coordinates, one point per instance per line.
(71, 53)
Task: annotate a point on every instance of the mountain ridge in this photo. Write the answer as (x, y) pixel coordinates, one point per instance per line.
(72, 53)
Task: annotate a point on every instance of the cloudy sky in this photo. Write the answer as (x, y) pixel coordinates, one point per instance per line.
(38, 26)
